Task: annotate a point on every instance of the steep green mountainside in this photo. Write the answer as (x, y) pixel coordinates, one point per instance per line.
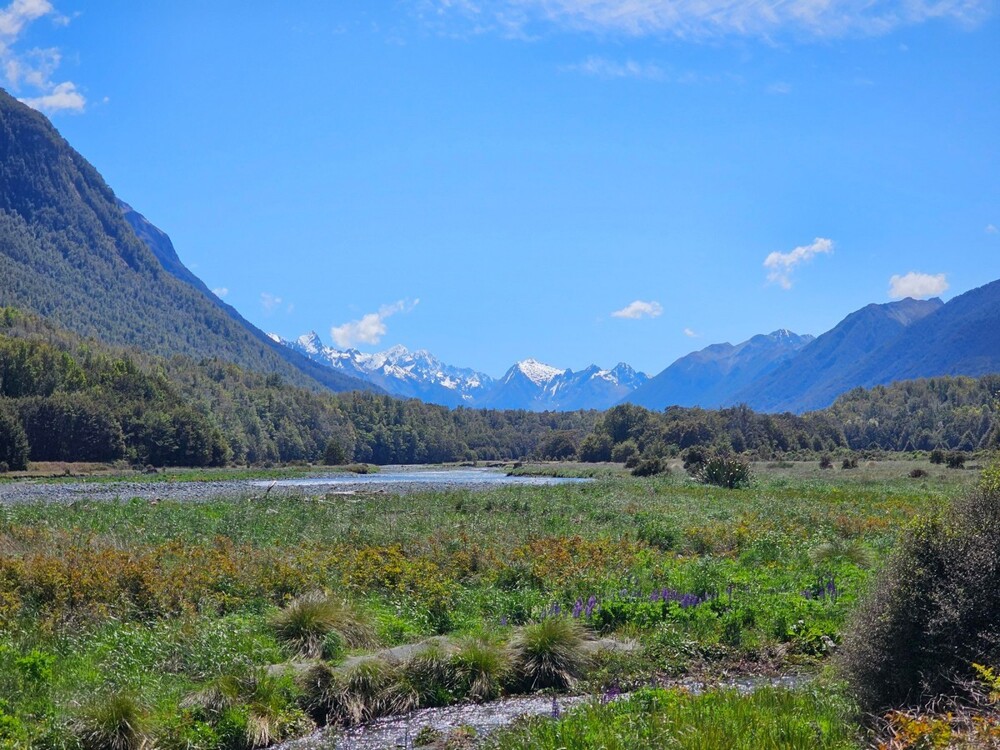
(68, 253)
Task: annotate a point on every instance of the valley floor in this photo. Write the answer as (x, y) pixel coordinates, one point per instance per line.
(168, 616)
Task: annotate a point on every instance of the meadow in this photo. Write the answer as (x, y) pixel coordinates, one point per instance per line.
(236, 623)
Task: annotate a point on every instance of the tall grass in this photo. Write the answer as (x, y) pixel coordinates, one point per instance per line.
(550, 653)
(767, 719)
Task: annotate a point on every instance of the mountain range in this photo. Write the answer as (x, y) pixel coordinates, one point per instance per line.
(73, 252)
(528, 384)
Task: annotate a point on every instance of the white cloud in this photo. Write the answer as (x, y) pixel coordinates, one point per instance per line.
(781, 265)
(991, 229)
(270, 302)
(690, 334)
(639, 309)
(917, 285)
(31, 72)
(370, 328)
(221, 291)
(779, 88)
(701, 18)
(64, 97)
(601, 67)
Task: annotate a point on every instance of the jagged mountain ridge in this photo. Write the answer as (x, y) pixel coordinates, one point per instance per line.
(399, 371)
(712, 377)
(528, 384)
(821, 370)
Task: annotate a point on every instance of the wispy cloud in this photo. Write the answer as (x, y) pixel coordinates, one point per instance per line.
(601, 67)
(779, 88)
(917, 285)
(221, 291)
(639, 309)
(780, 265)
(991, 229)
(703, 18)
(691, 334)
(370, 328)
(30, 73)
(270, 302)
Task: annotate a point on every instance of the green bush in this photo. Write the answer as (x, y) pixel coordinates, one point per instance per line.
(550, 653)
(306, 624)
(648, 467)
(933, 611)
(723, 471)
(112, 722)
(479, 669)
(658, 532)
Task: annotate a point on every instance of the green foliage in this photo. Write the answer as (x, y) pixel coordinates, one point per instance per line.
(479, 669)
(725, 471)
(306, 623)
(13, 442)
(550, 653)
(766, 719)
(933, 611)
(648, 467)
(955, 460)
(112, 722)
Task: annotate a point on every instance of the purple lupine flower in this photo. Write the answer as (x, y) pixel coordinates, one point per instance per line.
(577, 609)
(503, 621)
(610, 694)
(591, 605)
(807, 594)
(655, 596)
(555, 708)
(556, 609)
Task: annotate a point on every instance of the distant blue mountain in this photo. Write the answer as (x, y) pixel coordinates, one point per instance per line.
(713, 376)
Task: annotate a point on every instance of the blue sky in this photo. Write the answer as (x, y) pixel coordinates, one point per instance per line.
(578, 181)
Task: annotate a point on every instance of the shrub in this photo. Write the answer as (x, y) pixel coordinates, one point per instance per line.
(918, 473)
(657, 532)
(479, 669)
(694, 459)
(825, 462)
(937, 456)
(955, 460)
(933, 611)
(423, 681)
(307, 622)
(349, 695)
(851, 462)
(550, 653)
(112, 722)
(648, 467)
(722, 471)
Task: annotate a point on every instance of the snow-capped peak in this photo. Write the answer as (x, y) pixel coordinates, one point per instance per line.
(311, 342)
(276, 338)
(538, 372)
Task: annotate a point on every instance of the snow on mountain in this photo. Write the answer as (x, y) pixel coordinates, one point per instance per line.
(529, 384)
(399, 371)
(537, 372)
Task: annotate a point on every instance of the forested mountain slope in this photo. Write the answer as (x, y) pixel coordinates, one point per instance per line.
(68, 253)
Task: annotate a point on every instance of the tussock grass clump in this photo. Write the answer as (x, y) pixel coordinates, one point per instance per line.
(550, 653)
(479, 669)
(250, 711)
(838, 550)
(112, 722)
(306, 622)
(424, 680)
(933, 611)
(352, 694)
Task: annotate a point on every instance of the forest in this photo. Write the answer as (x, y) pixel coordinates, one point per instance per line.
(64, 398)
